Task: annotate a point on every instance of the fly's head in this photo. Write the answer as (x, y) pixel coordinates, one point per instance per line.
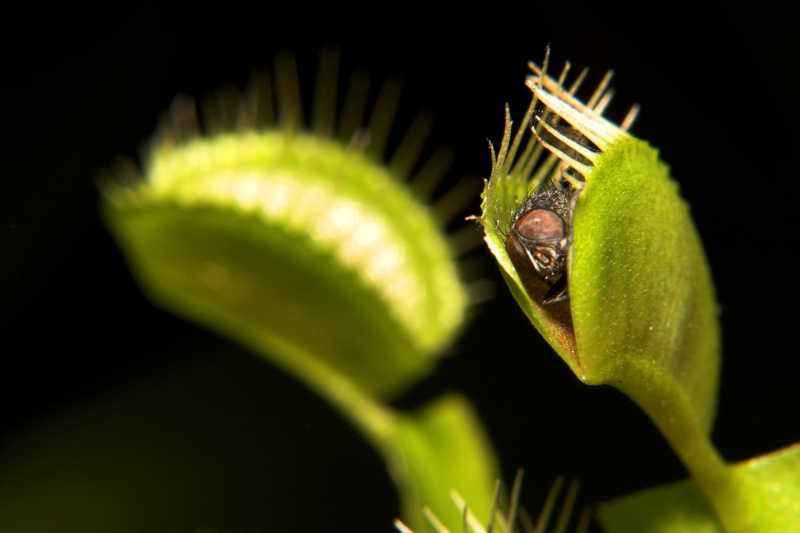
(540, 238)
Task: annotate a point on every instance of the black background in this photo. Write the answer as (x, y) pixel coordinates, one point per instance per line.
(719, 93)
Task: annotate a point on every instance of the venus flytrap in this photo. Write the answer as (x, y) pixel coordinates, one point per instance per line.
(306, 249)
(640, 313)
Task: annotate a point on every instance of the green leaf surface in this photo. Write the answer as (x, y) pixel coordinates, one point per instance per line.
(641, 296)
(681, 507)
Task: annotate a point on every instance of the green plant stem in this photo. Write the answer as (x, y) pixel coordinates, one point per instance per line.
(673, 414)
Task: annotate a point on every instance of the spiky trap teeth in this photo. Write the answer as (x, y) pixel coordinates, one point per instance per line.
(516, 515)
(539, 235)
(575, 132)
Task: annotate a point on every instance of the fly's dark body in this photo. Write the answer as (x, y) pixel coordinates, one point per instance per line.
(541, 236)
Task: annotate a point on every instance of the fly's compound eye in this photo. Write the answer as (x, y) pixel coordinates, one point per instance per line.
(540, 225)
